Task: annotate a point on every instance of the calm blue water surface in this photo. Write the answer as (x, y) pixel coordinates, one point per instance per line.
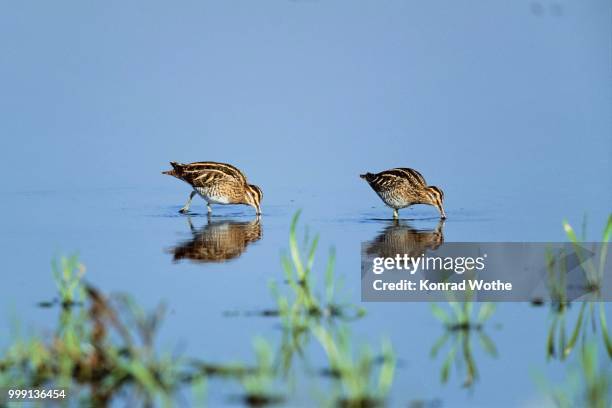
(127, 239)
(504, 105)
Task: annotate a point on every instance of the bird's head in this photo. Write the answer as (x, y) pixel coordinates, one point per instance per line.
(436, 198)
(253, 196)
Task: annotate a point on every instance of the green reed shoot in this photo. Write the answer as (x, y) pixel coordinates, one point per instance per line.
(588, 383)
(559, 342)
(360, 386)
(298, 270)
(593, 272)
(258, 382)
(93, 354)
(585, 327)
(462, 325)
(68, 274)
(304, 305)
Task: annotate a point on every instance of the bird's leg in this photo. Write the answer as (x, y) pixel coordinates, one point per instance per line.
(209, 208)
(442, 213)
(395, 214)
(191, 227)
(188, 203)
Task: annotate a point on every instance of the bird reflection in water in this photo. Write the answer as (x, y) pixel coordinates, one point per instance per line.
(218, 241)
(404, 238)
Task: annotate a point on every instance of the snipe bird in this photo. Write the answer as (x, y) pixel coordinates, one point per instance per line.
(403, 187)
(217, 183)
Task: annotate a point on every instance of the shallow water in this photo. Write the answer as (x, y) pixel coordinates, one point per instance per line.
(214, 274)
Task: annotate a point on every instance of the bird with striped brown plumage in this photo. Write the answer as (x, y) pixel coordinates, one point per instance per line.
(403, 187)
(217, 183)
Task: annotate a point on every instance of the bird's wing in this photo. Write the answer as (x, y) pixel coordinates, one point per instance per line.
(386, 180)
(210, 177)
(202, 174)
(390, 179)
(411, 174)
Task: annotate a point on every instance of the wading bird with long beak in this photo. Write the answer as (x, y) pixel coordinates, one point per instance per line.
(403, 187)
(217, 183)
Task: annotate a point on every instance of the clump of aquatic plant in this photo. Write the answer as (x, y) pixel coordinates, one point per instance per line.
(298, 274)
(361, 380)
(556, 279)
(304, 304)
(560, 343)
(258, 382)
(462, 315)
(364, 379)
(462, 325)
(98, 350)
(295, 335)
(68, 274)
(593, 271)
(588, 383)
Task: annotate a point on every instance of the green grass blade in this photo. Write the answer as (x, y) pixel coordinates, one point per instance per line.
(329, 276)
(439, 344)
(311, 254)
(472, 371)
(550, 340)
(587, 264)
(485, 312)
(604, 246)
(569, 231)
(293, 247)
(604, 329)
(440, 313)
(457, 308)
(445, 370)
(608, 230)
(387, 371)
(487, 344)
(574, 337)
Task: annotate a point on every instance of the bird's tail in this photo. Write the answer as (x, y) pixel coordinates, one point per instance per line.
(366, 176)
(175, 170)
